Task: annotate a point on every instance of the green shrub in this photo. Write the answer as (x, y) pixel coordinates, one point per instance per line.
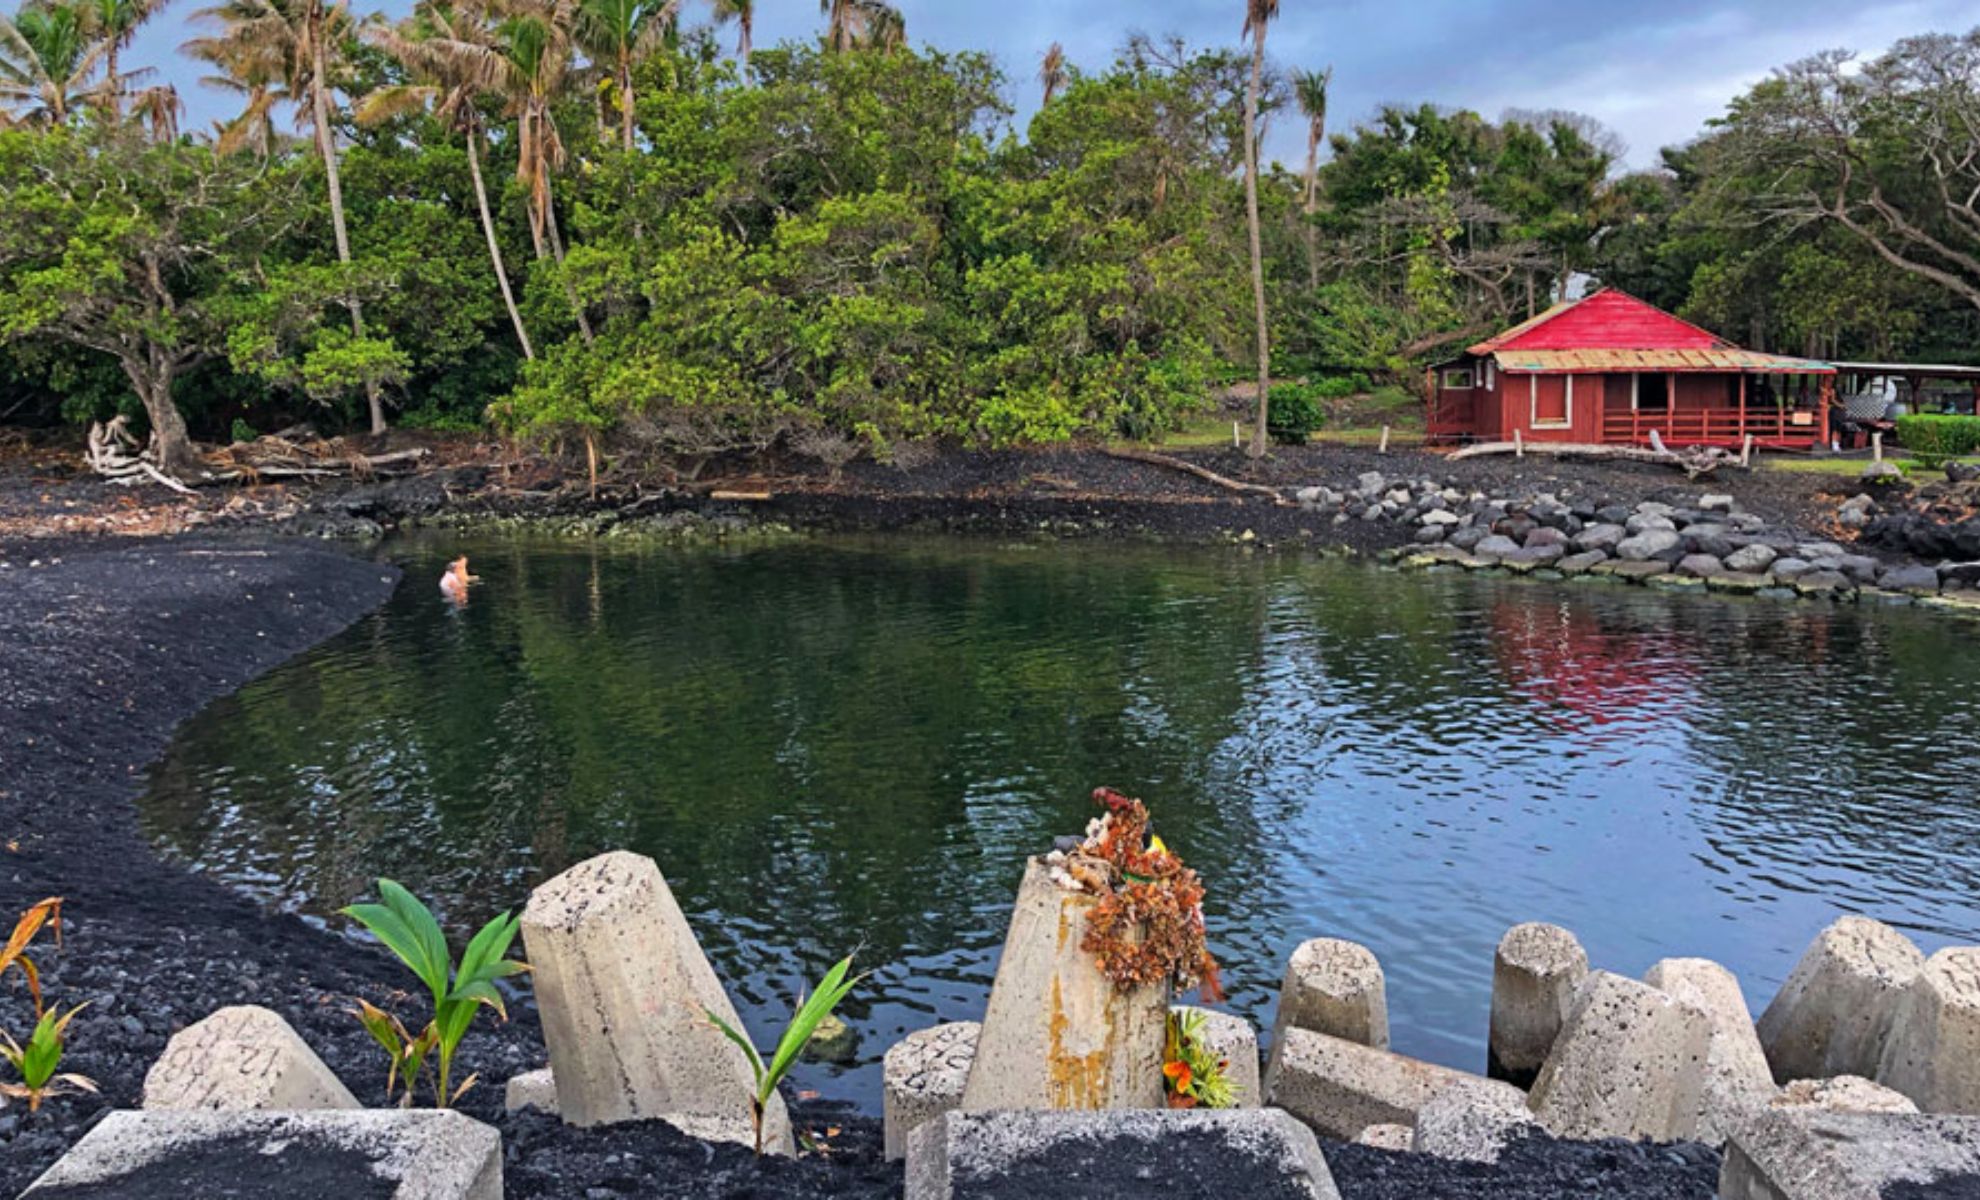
(1294, 413)
(1936, 437)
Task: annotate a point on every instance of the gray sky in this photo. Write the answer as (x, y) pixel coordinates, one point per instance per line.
(1653, 72)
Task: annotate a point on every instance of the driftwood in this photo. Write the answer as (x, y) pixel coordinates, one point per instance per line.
(1695, 461)
(113, 453)
(1203, 473)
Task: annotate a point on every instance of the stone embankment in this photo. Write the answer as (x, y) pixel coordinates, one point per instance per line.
(1713, 545)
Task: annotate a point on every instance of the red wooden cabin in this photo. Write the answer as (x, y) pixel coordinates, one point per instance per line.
(1609, 368)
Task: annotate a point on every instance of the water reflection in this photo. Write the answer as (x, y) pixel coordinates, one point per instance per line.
(834, 743)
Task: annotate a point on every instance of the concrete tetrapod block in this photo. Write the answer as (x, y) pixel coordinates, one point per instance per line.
(1933, 1054)
(1630, 1062)
(1473, 1120)
(1535, 971)
(1386, 1137)
(241, 1059)
(924, 1076)
(1834, 1013)
(1736, 1074)
(1803, 1154)
(1341, 1087)
(1259, 1154)
(379, 1154)
(1844, 1093)
(1057, 1033)
(1334, 987)
(1232, 1039)
(624, 989)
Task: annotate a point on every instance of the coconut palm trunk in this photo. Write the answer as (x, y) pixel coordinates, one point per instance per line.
(494, 247)
(1261, 12)
(319, 103)
(625, 99)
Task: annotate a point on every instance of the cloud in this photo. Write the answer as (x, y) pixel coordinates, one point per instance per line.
(1652, 71)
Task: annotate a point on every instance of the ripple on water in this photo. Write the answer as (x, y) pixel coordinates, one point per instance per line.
(840, 744)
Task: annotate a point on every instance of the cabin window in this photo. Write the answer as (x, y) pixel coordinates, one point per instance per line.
(1457, 378)
(1552, 401)
(1652, 392)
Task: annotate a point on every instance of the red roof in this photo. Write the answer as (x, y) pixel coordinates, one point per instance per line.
(1605, 320)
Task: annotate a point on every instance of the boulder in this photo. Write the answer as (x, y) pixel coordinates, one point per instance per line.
(1341, 1087)
(1801, 1154)
(1371, 483)
(1120, 1155)
(1334, 987)
(1496, 546)
(1439, 517)
(924, 1074)
(1534, 556)
(1715, 540)
(1834, 1013)
(1535, 972)
(1933, 1054)
(623, 989)
(417, 1154)
(1789, 569)
(1232, 1039)
(1387, 1137)
(1650, 522)
(1844, 1093)
(1057, 1033)
(1580, 564)
(1862, 569)
(1737, 1077)
(1961, 574)
(242, 1059)
(1881, 473)
(1752, 559)
(1636, 572)
(1717, 502)
(1546, 535)
(1599, 537)
(1910, 579)
(1820, 584)
(1650, 544)
(1467, 537)
(1473, 1120)
(1700, 566)
(1630, 1062)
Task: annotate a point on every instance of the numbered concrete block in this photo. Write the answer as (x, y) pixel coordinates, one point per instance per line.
(1834, 1013)
(1736, 1074)
(1057, 1033)
(242, 1059)
(1473, 1120)
(410, 1154)
(1125, 1153)
(1341, 1088)
(1334, 987)
(1534, 974)
(1231, 1038)
(924, 1075)
(624, 992)
(1933, 1055)
(1630, 1062)
(1801, 1154)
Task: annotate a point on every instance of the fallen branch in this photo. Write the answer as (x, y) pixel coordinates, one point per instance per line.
(113, 453)
(1694, 462)
(1203, 473)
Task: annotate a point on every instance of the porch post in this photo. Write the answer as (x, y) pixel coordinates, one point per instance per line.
(1828, 398)
(1742, 404)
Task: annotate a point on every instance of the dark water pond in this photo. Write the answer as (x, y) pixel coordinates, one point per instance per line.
(833, 744)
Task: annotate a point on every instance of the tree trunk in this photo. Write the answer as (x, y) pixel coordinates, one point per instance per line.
(1313, 135)
(494, 248)
(557, 252)
(319, 102)
(110, 80)
(176, 456)
(1257, 251)
(625, 100)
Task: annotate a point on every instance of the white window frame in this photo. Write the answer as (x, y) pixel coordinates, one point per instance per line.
(1491, 376)
(1451, 375)
(1533, 404)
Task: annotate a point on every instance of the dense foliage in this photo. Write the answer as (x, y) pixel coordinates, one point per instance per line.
(1936, 437)
(588, 224)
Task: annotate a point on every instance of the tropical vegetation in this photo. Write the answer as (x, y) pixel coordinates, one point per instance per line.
(606, 225)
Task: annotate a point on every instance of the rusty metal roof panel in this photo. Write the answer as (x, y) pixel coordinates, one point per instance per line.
(1717, 359)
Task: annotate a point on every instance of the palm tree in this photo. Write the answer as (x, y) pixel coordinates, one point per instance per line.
(442, 49)
(1052, 72)
(842, 23)
(115, 23)
(743, 13)
(882, 26)
(266, 45)
(619, 33)
(1310, 88)
(46, 60)
(1258, 14)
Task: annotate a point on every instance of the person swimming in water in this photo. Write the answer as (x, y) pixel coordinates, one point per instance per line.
(454, 584)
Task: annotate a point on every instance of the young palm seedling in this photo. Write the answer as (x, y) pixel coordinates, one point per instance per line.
(408, 929)
(811, 1010)
(14, 953)
(37, 1061)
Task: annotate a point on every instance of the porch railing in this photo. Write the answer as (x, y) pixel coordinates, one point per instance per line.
(1710, 426)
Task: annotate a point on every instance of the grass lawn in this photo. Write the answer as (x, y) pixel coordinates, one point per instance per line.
(1354, 421)
(1850, 467)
